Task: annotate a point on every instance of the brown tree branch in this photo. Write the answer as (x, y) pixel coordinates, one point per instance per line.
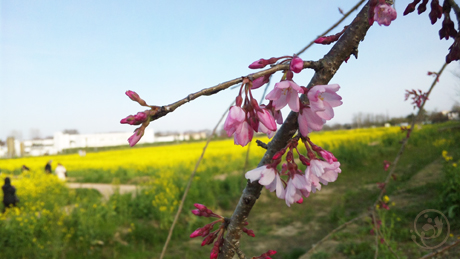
(333, 26)
(331, 62)
(163, 110)
(441, 251)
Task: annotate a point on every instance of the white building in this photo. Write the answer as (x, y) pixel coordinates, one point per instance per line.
(39, 147)
(65, 141)
(62, 141)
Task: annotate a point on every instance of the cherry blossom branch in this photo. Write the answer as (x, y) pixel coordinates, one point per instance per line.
(158, 112)
(333, 26)
(405, 140)
(179, 210)
(401, 150)
(331, 233)
(441, 251)
(386, 243)
(329, 65)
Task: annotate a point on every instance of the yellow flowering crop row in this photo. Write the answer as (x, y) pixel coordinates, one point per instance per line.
(185, 154)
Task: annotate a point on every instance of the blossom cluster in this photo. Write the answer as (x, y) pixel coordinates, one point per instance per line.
(141, 118)
(418, 97)
(209, 237)
(321, 168)
(247, 117)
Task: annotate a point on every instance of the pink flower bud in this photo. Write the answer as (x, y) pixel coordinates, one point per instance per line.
(196, 212)
(261, 63)
(141, 117)
(131, 120)
(296, 65)
(258, 82)
(304, 160)
(249, 232)
(201, 207)
(300, 201)
(135, 97)
(209, 239)
(328, 156)
(197, 233)
(132, 95)
(214, 252)
(138, 133)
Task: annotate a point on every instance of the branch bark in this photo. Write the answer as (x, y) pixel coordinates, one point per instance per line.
(331, 62)
(163, 110)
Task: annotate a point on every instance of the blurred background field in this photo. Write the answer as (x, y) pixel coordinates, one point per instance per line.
(53, 221)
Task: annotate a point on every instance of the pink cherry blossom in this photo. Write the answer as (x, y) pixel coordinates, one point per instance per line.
(269, 177)
(296, 65)
(309, 121)
(138, 133)
(285, 93)
(235, 118)
(278, 117)
(296, 187)
(243, 134)
(321, 172)
(266, 118)
(323, 98)
(384, 14)
(263, 129)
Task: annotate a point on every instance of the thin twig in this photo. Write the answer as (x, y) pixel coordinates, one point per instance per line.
(261, 144)
(163, 110)
(331, 233)
(442, 250)
(405, 140)
(188, 185)
(386, 243)
(333, 26)
(266, 88)
(245, 168)
(376, 254)
(403, 145)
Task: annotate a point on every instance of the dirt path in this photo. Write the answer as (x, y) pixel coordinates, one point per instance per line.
(105, 189)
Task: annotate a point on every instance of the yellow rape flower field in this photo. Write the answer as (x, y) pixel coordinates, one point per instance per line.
(186, 154)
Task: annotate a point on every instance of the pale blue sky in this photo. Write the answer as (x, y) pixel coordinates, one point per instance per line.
(67, 64)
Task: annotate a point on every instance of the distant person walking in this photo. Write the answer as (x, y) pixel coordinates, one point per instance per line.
(9, 194)
(25, 168)
(61, 172)
(48, 167)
